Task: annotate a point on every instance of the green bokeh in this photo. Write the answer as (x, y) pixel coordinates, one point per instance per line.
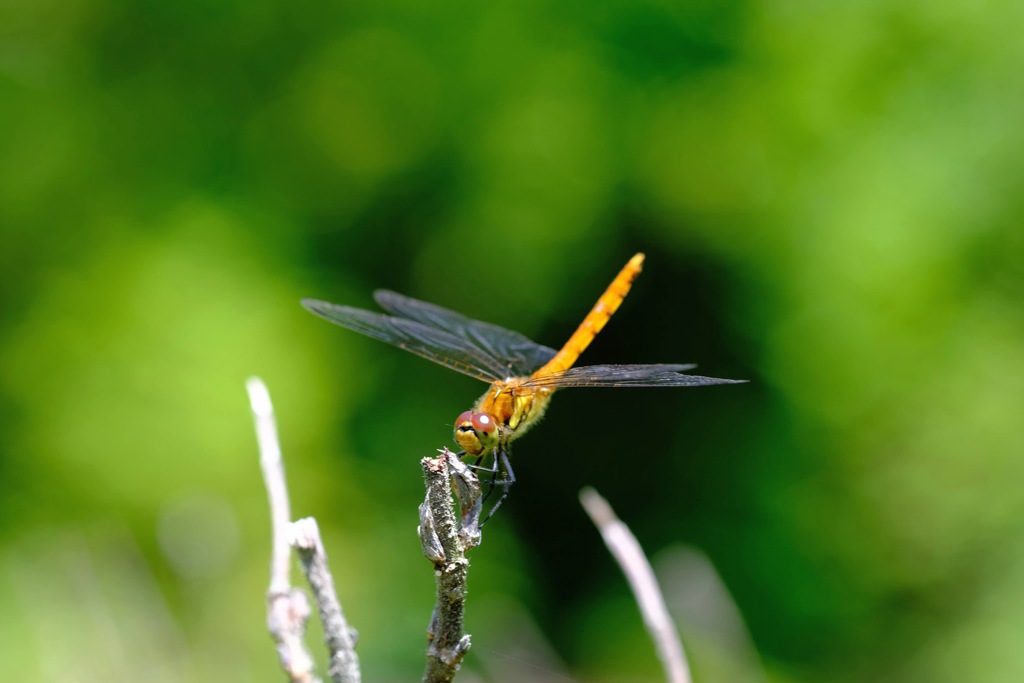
(829, 199)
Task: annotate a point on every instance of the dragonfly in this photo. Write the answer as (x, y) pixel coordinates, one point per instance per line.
(522, 374)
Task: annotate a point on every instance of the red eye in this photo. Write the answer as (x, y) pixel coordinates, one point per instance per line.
(476, 432)
(483, 423)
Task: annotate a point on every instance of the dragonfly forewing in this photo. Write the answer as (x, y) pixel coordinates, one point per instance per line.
(517, 354)
(442, 347)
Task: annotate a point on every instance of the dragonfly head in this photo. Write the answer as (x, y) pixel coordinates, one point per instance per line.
(476, 433)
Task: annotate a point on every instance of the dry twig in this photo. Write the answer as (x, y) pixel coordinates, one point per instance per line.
(338, 635)
(287, 607)
(444, 545)
(630, 556)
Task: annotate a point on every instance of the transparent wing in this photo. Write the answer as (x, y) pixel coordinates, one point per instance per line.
(442, 347)
(517, 354)
(626, 376)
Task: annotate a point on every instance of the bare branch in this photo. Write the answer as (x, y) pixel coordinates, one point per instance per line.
(340, 638)
(630, 556)
(287, 608)
(443, 545)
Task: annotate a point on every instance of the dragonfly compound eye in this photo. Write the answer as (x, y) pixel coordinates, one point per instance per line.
(476, 432)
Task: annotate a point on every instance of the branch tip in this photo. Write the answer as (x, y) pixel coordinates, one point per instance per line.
(259, 397)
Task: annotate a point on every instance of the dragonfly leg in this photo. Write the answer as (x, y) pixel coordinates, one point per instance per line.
(494, 470)
(501, 464)
(502, 475)
(489, 470)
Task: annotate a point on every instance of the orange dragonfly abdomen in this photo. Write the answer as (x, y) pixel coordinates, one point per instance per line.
(595, 321)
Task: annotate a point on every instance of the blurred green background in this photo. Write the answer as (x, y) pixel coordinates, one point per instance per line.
(829, 196)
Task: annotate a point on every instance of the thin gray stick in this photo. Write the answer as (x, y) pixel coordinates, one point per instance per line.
(340, 638)
(630, 556)
(287, 607)
(444, 547)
